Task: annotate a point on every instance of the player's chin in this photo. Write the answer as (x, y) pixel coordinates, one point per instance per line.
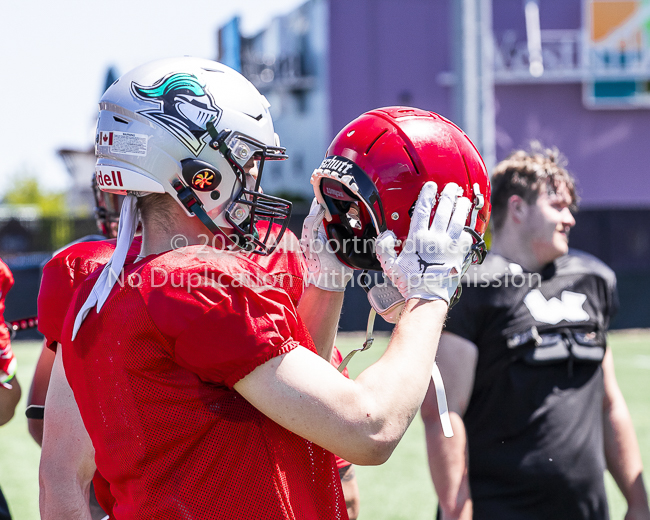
(561, 243)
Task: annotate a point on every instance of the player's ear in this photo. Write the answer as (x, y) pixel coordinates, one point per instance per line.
(517, 209)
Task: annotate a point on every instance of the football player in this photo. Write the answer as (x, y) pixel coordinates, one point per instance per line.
(67, 269)
(71, 265)
(194, 385)
(73, 262)
(534, 401)
(9, 387)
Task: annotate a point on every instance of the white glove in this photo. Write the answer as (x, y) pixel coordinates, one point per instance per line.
(432, 260)
(387, 301)
(325, 270)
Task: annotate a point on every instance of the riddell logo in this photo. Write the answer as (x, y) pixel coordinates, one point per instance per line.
(105, 180)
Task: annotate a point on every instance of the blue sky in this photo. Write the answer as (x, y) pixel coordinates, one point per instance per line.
(55, 55)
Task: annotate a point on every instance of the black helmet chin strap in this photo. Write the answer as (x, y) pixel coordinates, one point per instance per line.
(193, 205)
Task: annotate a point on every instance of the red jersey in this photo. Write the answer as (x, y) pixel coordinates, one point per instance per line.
(153, 373)
(286, 263)
(6, 283)
(61, 277)
(288, 266)
(64, 273)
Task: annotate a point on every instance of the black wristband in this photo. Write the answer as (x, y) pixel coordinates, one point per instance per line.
(35, 411)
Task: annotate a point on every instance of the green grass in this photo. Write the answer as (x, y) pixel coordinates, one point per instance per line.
(399, 489)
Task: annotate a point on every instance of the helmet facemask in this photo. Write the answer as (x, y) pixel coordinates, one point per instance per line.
(249, 205)
(354, 211)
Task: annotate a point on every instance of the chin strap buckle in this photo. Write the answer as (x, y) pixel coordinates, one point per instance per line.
(185, 196)
(189, 201)
(366, 345)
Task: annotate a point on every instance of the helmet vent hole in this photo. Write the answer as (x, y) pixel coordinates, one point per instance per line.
(373, 143)
(120, 120)
(415, 166)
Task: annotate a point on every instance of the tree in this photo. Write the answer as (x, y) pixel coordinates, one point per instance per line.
(26, 190)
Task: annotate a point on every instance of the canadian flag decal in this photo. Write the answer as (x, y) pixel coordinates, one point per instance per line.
(106, 138)
(553, 311)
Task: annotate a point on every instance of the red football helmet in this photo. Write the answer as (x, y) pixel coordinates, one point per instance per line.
(375, 168)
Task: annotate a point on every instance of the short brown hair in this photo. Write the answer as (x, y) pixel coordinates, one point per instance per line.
(156, 209)
(526, 173)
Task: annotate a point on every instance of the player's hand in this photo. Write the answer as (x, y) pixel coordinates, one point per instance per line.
(325, 270)
(432, 260)
(7, 365)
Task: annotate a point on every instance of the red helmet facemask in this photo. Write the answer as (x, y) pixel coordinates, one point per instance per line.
(374, 171)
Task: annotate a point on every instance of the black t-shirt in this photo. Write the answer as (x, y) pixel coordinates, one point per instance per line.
(535, 418)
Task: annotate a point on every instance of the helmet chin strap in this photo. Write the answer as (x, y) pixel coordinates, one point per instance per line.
(191, 203)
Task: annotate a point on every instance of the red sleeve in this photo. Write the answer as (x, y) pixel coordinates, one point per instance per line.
(7, 280)
(63, 274)
(61, 277)
(6, 283)
(54, 296)
(244, 329)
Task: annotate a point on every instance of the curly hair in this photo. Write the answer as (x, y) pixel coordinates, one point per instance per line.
(526, 173)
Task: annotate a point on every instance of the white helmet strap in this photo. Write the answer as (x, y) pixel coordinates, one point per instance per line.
(113, 268)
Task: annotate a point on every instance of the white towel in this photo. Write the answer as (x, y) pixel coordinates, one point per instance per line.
(111, 272)
(441, 397)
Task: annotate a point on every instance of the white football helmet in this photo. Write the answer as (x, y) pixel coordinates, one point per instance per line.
(187, 126)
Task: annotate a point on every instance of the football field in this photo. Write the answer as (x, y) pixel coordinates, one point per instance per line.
(400, 489)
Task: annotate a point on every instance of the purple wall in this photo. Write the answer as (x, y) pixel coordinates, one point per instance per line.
(553, 14)
(387, 52)
(608, 150)
(381, 50)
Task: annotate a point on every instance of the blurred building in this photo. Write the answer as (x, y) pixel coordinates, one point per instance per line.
(288, 63)
(81, 166)
(80, 163)
(571, 73)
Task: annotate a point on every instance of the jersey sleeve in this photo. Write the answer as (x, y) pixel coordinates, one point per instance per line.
(57, 286)
(609, 304)
(242, 330)
(61, 277)
(6, 283)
